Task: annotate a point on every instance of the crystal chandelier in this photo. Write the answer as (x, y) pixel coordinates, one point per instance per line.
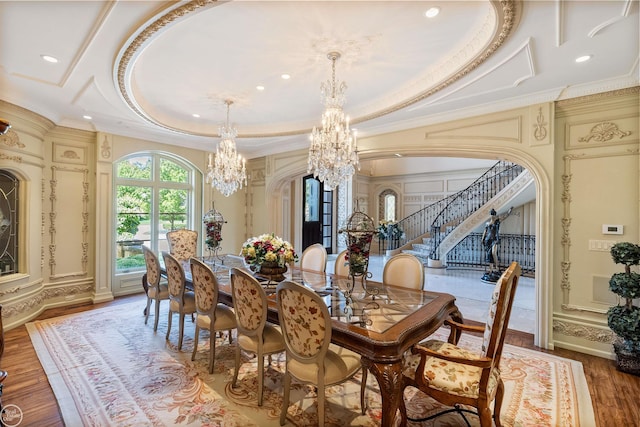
(333, 156)
(226, 172)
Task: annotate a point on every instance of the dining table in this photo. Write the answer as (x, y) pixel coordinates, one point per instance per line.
(380, 322)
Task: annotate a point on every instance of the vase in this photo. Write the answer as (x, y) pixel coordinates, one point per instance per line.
(626, 361)
(272, 271)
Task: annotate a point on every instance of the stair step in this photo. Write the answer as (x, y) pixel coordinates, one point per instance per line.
(419, 247)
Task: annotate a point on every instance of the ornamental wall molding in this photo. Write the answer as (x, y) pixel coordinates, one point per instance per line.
(17, 159)
(598, 96)
(84, 226)
(565, 264)
(589, 333)
(603, 132)
(38, 300)
(105, 148)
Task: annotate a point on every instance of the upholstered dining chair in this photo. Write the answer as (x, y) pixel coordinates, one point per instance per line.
(314, 258)
(210, 315)
(311, 358)
(255, 335)
(181, 301)
(157, 288)
(403, 270)
(456, 376)
(341, 266)
(183, 243)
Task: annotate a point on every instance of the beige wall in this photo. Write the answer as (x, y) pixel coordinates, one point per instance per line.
(584, 177)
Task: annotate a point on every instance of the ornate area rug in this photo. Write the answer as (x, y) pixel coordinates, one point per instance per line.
(107, 368)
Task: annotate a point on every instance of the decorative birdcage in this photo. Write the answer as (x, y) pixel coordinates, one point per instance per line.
(360, 230)
(213, 221)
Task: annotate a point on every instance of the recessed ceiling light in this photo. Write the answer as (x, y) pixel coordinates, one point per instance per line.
(196, 115)
(432, 12)
(583, 58)
(286, 76)
(86, 116)
(49, 58)
(260, 88)
(398, 155)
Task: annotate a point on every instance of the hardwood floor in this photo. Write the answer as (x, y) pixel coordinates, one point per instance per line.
(614, 394)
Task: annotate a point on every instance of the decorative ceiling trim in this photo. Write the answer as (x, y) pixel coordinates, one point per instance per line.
(507, 12)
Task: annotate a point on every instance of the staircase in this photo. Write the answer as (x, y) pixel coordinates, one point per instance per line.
(426, 231)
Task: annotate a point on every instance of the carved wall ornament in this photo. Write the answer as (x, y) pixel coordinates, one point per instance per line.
(540, 127)
(9, 311)
(582, 331)
(11, 139)
(105, 148)
(603, 132)
(70, 154)
(17, 159)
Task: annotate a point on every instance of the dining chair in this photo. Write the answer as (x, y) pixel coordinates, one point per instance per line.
(157, 288)
(341, 266)
(404, 270)
(310, 356)
(210, 315)
(181, 301)
(314, 258)
(183, 243)
(255, 335)
(455, 376)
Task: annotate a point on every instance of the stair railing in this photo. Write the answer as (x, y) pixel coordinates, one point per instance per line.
(469, 200)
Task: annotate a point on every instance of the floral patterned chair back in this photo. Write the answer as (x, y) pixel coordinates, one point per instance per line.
(404, 270)
(183, 243)
(305, 322)
(205, 286)
(153, 267)
(249, 302)
(175, 277)
(314, 258)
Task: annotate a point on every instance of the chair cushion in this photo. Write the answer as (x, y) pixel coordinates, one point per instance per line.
(272, 341)
(162, 293)
(339, 364)
(189, 300)
(450, 377)
(225, 319)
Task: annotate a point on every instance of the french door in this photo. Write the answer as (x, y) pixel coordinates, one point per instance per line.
(317, 215)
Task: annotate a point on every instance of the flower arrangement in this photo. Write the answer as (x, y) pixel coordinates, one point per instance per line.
(389, 230)
(213, 221)
(358, 252)
(268, 248)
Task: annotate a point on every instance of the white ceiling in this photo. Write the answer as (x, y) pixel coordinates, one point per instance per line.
(142, 68)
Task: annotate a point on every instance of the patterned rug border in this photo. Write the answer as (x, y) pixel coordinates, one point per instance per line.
(72, 416)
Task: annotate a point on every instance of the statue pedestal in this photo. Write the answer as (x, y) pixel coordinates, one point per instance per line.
(491, 276)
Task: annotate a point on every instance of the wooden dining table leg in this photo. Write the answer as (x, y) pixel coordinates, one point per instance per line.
(389, 376)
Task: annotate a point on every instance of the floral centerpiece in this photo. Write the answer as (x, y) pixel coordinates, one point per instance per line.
(268, 251)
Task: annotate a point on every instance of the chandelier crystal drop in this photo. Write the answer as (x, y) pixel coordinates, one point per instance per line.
(226, 170)
(333, 155)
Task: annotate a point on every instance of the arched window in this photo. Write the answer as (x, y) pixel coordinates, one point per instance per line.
(9, 186)
(388, 206)
(154, 193)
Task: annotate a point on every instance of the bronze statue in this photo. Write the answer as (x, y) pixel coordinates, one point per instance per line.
(490, 241)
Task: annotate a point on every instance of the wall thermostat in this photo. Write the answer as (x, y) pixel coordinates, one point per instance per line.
(612, 229)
